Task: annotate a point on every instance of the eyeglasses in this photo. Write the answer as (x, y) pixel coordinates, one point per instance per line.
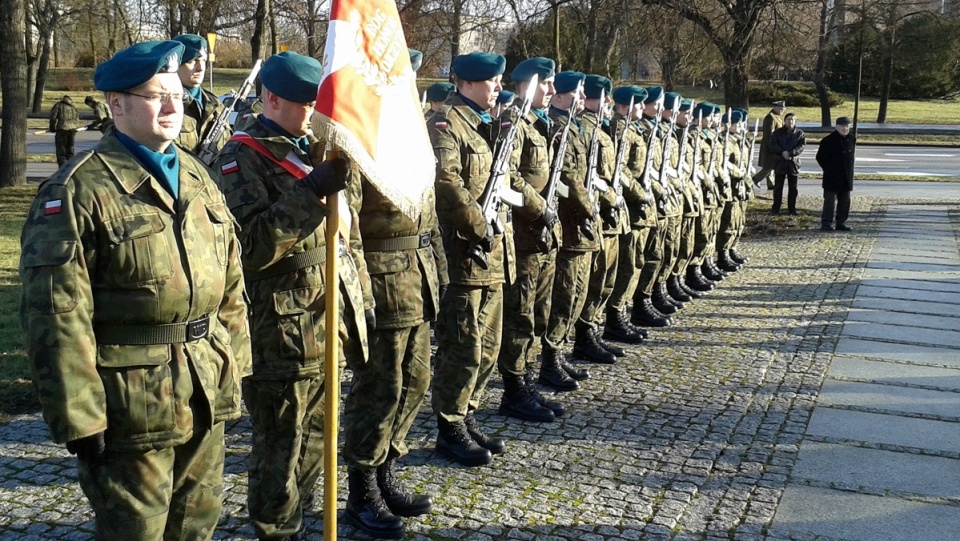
(163, 97)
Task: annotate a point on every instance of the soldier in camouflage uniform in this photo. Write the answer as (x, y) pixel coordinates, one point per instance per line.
(200, 114)
(732, 208)
(64, 123)
(706, 224)
(667, 296)
(437, 95)
(642, 214)
(692, 199)
(273, 189)
(745, 188)
(588, 344)
(470, 324)
(101, 114)
(536, 237)
(133, 311)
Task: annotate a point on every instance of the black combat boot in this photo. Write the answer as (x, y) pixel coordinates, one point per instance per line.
(682, 282)
(618, 328)
(455, 442)
(616, 350)
(519, 403)
(725, 263)
(711, 272)
(696, 280)
(661, 300)
(737, 258)
(402, 503)
(552, 405)
(494, 444)
(675, 291)
(586, 347)
(575, 372)
(366, 509)
(552, 373)
(646, 314)
(717, 270)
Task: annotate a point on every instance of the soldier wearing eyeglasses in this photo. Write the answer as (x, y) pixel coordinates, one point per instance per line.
(133, 311)
(202, 107)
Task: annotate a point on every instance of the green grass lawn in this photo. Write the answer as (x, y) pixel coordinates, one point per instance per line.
(16, 390)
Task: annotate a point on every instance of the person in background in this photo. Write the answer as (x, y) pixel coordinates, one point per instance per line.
(836, 156)
(786, 144)
(64, 123)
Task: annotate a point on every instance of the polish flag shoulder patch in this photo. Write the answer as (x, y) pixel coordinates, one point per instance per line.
(52, 207)
(441, 124)
(228, 168)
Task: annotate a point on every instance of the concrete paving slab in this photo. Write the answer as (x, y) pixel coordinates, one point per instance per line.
(907, 307)
(911, 353)
(912, 266)
(889, 429)
(925, 258)
(931, 476)
(868, 290)
(946, 285)
(890, 397)
(902, 333)
(924, 321)
(891, 372)
(807, 511)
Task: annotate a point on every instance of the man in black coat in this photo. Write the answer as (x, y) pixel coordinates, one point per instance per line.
(835, 157)
(786, 145)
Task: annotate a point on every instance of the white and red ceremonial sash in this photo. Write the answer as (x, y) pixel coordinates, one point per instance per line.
(367, 103)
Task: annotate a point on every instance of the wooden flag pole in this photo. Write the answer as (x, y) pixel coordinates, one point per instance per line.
(331, 383)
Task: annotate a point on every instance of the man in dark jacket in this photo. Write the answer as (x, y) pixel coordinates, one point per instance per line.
(771, 123)
(786, 145)
(835, 157)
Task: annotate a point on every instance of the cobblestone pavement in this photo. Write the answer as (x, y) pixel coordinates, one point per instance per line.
(691, 436)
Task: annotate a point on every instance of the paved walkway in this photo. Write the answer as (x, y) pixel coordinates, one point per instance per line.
(812, 396)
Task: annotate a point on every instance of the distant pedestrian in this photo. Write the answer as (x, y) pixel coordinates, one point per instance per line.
(836, 156)
(101, 114)
(64, 123)
(786, 144)
(771, 123)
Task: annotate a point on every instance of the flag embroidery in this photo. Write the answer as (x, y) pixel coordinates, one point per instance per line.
(228, 168)
(52, 207)
(441, 125)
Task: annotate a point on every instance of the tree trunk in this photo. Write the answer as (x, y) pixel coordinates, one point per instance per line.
(734, 78)
(590, 53)
(820, 66)
(13, 84)
(258, 41)
(312, 46)
(31, 62)
(886, 78)
(42, 69)
(556, 33)
(274, 35)
(455, 29)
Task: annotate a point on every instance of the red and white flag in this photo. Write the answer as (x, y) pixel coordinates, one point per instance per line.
(367, 103)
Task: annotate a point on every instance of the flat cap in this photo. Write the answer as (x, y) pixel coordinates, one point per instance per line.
(567, 81)
(843, 121)
(622, 95)
(505, 97)
(293, 77)
(594, 85)
(439, 91)
(137, 64)
(193, 46)
(671, 100)
(781, 104)
(543, 68)
(478, 66)
(416, 59)
(654, 93)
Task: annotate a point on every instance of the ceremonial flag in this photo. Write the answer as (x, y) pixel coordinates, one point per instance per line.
(367, 103)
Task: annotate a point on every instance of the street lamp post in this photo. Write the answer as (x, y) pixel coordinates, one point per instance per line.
(211, 41)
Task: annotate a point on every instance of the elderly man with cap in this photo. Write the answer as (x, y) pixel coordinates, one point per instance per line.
(204, 107)
(470, 324)
(642, 214)
(835, 155)
(536, 235)
(133, 311)
(771, 123)
(275, 180)
(64, 123)
(437, 95)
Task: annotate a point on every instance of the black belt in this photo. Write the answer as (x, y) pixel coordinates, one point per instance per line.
(293, 263)
(397, 244)
(145, 335)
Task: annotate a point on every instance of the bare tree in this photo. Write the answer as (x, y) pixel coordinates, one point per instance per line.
(13, 83)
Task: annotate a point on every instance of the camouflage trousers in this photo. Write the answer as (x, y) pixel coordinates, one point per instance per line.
(688, 231)
(63, 142)
(671, 246)
(706, 235)
(172, 493)
(729, 225)
(743, 221)
(569, 294)
(652, 259)
(468, 330)
(603, 276)
(628, 268)
(526, 309)
(286, 458)
(386, 395)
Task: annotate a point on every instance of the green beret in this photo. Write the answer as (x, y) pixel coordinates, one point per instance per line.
(137, 64)
(567, 81)
(292, 76)
(671, 100)
(622, 95)
(193, 46)
(686, 104)
(416, 59)
(439, 91)
(478, 66)
(654, 93)
(505, 96)
(743, 112)
(594, 85)
(543, 68)
(716, 109)
(703, 109)
(736, 116)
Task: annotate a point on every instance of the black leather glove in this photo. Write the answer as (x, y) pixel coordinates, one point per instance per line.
(548, 219)
(486, 243)
(90, 449)
(327, 178)
(370, 315)
(609, 217)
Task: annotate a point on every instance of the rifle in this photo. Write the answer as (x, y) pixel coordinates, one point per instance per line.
(621, 151)
(697, 186)
(683, 153)
(645, 180)
(592, 156)
(753, 143)
(495, 192)
(553, 187)
(208, 147)
(668, 191)
(726, 150)
(423, 102)
(81, 128)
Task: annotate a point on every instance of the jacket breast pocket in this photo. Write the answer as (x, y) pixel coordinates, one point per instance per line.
(386, 270)
(220, 220)
(50, 276)
(140, 250)
(296, 312)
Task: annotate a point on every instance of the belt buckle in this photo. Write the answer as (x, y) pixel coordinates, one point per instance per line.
(198, 329)
(424, 240)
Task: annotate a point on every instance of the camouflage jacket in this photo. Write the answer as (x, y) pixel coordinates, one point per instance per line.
(107, 254)
(690, 188)
(64, 117)
(576, 212)
(672, 182)
(529, 174)
(102, 119)
(605, 192)
(464, 158)
(737, 168)
(639, 199)
(405, 259)
(197, 123)
(709, 190)
(284, 254)
(648, 125)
